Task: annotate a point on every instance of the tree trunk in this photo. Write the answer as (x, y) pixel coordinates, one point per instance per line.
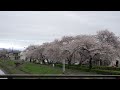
(34, 61)
(48, 61)
(30, 60)
(43, 61)
(90, 63)
(69, 63)
(117, 62)
(100, 62)
(80, 63)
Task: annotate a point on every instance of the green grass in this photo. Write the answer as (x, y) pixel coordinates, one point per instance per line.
(104, 70)
(31, 68)
(27, 68)
(8, 67)
(39, 69)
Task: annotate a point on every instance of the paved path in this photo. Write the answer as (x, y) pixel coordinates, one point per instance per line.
(1, 72)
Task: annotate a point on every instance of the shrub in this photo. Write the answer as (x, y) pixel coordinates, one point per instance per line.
(76, 67)
(106, 68)
(106, 72)
(97, 69)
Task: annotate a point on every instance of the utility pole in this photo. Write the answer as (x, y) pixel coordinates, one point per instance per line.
(63, 66)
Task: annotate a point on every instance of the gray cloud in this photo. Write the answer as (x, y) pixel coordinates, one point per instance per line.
(22, 28)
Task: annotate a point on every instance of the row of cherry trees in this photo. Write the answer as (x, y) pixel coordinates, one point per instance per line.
(100, 49)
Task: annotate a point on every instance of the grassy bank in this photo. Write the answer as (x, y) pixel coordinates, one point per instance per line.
(9, 67)
(27, 68)
(104, 70)
(30, 68)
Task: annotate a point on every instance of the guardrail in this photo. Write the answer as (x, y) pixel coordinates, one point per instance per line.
(60, 76)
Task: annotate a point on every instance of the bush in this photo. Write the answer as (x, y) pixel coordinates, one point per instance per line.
(94, 67)
(58, 65)
(97, 69)
(106, 72)
(106, 68)
(76, 67)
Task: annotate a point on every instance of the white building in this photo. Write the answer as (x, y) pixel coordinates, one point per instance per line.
(23, 55)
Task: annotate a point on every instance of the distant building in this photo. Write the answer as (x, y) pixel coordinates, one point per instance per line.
(23, 55)
(13, 55)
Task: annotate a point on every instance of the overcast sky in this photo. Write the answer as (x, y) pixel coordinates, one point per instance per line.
(18, 29)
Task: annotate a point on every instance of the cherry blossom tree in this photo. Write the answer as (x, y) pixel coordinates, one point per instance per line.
(100, 49)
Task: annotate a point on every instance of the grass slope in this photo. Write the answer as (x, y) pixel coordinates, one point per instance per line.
(8, 66)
